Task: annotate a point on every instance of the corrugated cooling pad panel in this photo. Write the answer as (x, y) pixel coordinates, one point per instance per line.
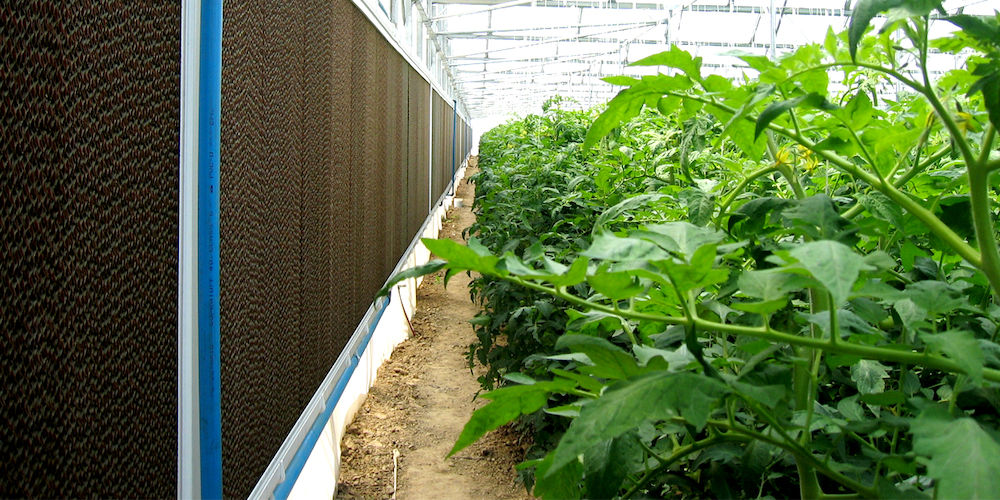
(315, 145)
(89, 110)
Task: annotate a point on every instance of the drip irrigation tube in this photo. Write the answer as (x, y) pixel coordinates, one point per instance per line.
(209, 104)
(298, 461)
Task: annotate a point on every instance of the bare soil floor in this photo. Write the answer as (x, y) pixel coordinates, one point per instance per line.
(421, 400)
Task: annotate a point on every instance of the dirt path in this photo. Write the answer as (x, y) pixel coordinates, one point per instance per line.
(422, 398)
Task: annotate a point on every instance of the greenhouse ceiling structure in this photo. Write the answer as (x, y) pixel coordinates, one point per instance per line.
(506, 57)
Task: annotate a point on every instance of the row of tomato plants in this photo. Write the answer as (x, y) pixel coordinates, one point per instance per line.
(755, 288)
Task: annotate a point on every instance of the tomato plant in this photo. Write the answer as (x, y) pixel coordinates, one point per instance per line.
(761, 288)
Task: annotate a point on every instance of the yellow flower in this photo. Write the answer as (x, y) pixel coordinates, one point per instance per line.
(808, 157)
(795, 154)
(785, 157)
(966, 123)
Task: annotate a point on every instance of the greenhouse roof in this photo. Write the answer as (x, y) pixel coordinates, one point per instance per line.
(507, 57)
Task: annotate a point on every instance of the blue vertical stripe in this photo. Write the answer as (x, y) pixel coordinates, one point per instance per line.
(210, 97)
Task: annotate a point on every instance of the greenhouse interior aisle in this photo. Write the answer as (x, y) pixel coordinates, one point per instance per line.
(725, 249)
(421, 399)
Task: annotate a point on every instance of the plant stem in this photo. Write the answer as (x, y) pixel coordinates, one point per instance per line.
(988, 136)
(738, 190)
(676, 455)
(834, 326)
(917, 168)
(783, 169)
(763, 332)
(991, 165)
(901, 181)
(802, 454)
(982, 221)
(940, 229)
(933, 223)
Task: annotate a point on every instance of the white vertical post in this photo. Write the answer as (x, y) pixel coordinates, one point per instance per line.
(774, 32)
(188, 443)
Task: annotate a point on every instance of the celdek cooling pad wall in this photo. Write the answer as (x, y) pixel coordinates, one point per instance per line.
(444, 117)
(324, 180)
(89, 110)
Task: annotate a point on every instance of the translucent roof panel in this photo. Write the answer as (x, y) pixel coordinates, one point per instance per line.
(507, 57)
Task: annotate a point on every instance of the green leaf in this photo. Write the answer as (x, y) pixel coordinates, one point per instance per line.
(717, 83)
(934, 298)
(887, 398)
(869, 376)
(979, 27)
(413, 272)
(609, 361)
(666, 105)
(676, 360)
(861, 17)
(763, 91)
(609, 247)
(762, 64)
(850, 409)
(816, 217)
(858, 112)
(576, 273)
(772, 286)
(769, 284)
(558, 482)
(623, 206)
(866, 10)
(607, 464)
(910, 313)
(881, 207)
(519, 378)
(833, 264)
(961, 347)
(591, 322)
(768, 395)
(460, 256)
(626, 405)
(615, 285)
(776, 109)
(700, 205)
(964, 458)
(681, 237)
(507, 404)
(698, 274)
(674, 58)
(624, 81)
(989, 85)
(751, 217)
(761, 307)
(623, 107)
(830, 42)
(477, 246)
(752, 146)
(587, 382)
(512, 264)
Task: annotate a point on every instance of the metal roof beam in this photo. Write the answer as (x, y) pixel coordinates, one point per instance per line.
(496, 6)
(490, 31)
(728, 8)
(624, 4)
(537, 38)
(552, 40)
